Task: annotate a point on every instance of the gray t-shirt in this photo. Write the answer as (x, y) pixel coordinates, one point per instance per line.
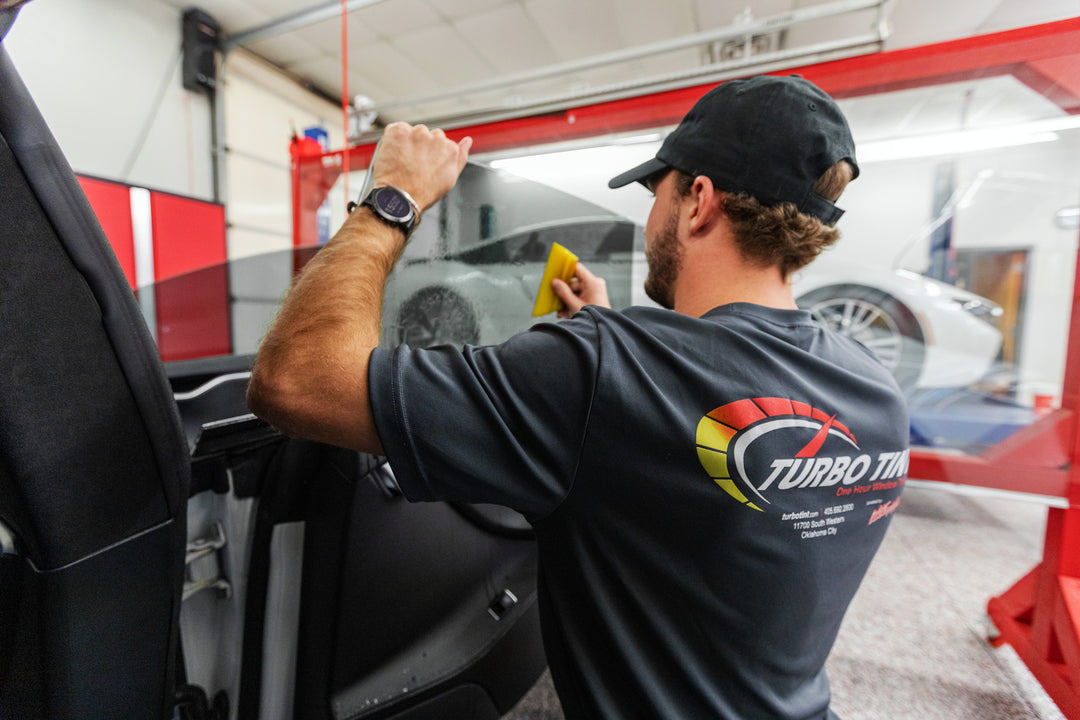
(706, 493)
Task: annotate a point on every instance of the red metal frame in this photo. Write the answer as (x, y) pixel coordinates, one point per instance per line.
(1040, 615)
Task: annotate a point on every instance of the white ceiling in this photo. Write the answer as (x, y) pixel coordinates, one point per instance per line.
(402, 52)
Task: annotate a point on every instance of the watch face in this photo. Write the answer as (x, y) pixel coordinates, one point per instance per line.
(393, 204)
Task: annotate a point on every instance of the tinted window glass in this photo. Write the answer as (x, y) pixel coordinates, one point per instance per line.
(470, 274)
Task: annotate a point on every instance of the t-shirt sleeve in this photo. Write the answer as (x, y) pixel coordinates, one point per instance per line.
(501, 424)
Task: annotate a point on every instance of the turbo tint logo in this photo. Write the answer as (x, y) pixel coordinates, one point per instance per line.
(757, 447)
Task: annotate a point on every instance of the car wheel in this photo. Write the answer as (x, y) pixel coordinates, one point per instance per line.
(437, 316)
(886, 326)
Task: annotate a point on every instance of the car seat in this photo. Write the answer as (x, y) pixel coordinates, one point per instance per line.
(94, 467)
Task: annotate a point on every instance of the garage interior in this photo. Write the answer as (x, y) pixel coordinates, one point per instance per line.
(260, 118)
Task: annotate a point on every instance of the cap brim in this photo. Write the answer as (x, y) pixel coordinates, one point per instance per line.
(637, 174)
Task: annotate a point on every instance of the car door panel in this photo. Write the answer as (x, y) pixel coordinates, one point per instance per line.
(394, 604)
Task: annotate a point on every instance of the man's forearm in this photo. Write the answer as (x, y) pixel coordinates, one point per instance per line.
(310, 378)
(314, 360)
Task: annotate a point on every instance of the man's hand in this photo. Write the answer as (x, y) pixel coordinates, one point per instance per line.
(422, 162)
(584, 289)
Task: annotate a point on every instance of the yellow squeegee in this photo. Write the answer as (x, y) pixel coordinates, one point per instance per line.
(561, 263)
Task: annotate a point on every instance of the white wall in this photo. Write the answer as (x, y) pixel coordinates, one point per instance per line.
(106, 76)
(263, 108)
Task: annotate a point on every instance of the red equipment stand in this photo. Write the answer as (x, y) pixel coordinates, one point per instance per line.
(1040, 615)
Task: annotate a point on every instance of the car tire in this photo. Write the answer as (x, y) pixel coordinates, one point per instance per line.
(437, 316)
(881, 322)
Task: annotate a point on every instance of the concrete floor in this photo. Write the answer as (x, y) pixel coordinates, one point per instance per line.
(913, 644)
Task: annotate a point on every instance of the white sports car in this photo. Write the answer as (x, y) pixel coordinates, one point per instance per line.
(927, 333)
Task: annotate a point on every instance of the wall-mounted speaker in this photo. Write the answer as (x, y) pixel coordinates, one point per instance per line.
(200, 43)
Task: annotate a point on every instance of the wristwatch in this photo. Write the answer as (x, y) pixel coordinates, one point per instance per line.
(394, 207)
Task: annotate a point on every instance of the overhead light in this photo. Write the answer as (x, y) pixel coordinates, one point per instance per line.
(587, 157)
(639, 139)
(554, 167)
(1068, 217)
(957, 143)
(964, 141)
(497, 159)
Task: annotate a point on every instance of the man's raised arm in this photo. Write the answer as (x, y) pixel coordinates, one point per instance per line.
(309, 379)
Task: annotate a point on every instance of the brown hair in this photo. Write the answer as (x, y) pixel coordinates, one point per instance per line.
(779, 235)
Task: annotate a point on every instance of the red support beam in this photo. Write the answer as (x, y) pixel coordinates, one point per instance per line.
(1039, 616)
(976, 471)
(980, 56)
(313, 174)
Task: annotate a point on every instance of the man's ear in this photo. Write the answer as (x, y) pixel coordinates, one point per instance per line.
(706, 203)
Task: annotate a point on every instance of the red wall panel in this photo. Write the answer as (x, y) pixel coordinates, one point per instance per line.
(188, 234)
(193, 318)
(193, 314)
(112, 205)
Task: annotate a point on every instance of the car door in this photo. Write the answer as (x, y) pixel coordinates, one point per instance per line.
(320, 591)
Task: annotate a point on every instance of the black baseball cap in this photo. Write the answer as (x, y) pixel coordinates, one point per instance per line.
(770, 137)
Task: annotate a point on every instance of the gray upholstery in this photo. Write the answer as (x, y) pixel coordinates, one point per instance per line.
(93, 463)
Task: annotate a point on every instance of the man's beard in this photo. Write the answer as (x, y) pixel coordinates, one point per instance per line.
(664, 256)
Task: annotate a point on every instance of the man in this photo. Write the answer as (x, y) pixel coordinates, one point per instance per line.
(707, 486)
